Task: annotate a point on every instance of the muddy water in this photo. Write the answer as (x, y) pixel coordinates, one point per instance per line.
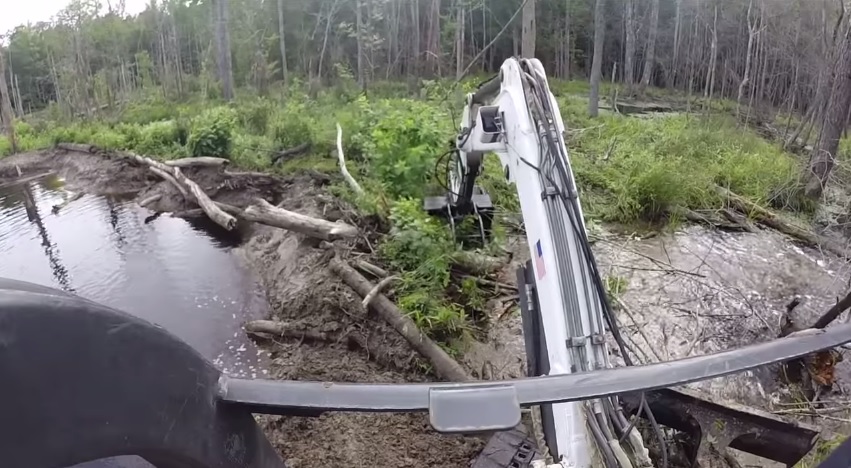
(179, 275)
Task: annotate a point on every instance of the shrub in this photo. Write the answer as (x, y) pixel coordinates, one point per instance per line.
(5, 147)
(107, 138)
(418, 242)
(251, 151)
(291, 128)
(255, 115)
(148, 111)
(406, 142)
(212, 133)
(158, 138)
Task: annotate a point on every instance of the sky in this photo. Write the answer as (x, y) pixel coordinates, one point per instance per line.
(17, 12)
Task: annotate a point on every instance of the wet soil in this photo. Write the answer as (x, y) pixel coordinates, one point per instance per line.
(300, 289)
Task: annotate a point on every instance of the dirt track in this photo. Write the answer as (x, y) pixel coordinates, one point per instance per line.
(300, 289)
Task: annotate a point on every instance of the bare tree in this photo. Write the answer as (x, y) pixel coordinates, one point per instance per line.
(459, 41)
(752, 32)
(281, 39)
(359, 32)
(650, 56)
(530, 30)
(224, 53)
(629, 46)
(824, 155)
(6, 106)
(597, 63)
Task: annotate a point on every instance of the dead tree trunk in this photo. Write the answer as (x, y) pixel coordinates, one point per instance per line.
(527, 48)
(629, 47)
(650, 57)
(710, 74)
(266, 213)
(359, 32)
(459, 41)
(824, 155)
(6, 118)
(283, 44)
(676, 54)
(225, 64)
(597, 63)
(214, 212)
(752, 32)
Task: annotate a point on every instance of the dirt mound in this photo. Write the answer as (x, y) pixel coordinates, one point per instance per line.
(301, 290)
(83, 171)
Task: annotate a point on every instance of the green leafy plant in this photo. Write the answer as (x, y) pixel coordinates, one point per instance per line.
(406, 143)
(212, 133)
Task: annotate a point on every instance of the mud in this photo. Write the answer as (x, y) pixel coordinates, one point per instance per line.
(302, 290)
(299, 289)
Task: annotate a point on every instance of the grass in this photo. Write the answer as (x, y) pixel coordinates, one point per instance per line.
(630, 170)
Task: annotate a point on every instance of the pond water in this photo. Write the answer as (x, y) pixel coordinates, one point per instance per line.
(170, 271)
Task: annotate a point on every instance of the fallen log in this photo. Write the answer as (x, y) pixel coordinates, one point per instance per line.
(772, 220)
(250, 174)
(204, 161)
(294, 151)
(266, 213)
(378, 272)
(444, 366)
(269, 327)
(149, 200)
(476, 263)
(349, 179)
(214, 212)
(80, 148)
(170, 179)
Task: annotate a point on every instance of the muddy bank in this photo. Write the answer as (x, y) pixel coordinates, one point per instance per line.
(300, 289)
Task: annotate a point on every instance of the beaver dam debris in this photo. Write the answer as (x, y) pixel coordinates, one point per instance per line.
(332, 323)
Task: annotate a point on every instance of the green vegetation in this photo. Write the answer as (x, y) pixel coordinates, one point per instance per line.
(821, 451)
(636, 168)
(630, 169)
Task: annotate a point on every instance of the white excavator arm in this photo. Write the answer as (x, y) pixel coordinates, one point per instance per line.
(516, 117)
(567, 320)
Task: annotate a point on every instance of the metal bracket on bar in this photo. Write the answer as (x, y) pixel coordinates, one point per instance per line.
(576, 341)
(468, 410)
(549, 192)
(598, 339)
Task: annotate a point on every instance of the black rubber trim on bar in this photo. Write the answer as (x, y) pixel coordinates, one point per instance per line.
(487, 90)
(283, 397)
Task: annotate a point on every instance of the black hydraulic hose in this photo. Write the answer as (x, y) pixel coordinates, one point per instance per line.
(602, 442)
(573, 211)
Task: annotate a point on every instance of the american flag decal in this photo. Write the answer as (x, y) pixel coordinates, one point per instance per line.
(539, 261)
